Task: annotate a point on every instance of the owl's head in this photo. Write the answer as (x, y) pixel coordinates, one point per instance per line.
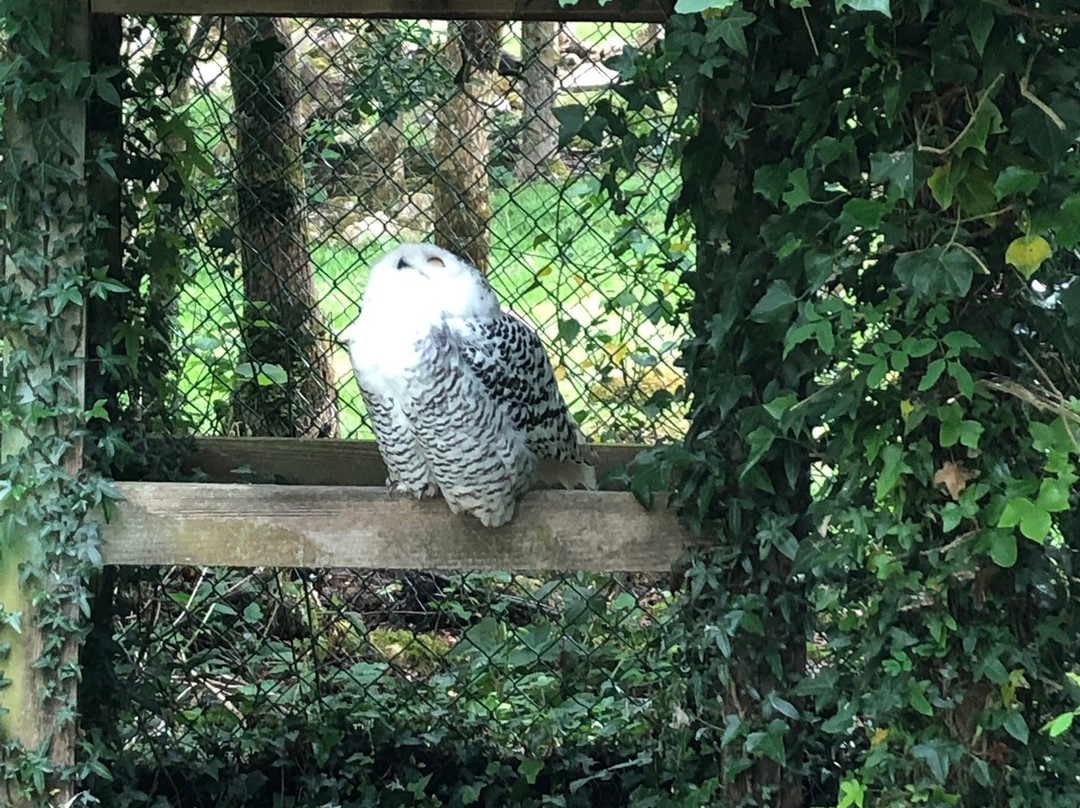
(429, 283)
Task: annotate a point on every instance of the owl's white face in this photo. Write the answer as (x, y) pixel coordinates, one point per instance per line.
(426, 284)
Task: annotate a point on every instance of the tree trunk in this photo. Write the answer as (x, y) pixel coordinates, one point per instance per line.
(540, 130)
(462, 197)
(286, 386)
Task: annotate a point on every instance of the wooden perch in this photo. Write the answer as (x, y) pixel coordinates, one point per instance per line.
(213, 524)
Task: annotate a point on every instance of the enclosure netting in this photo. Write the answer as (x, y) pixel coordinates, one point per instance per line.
(306, 149)
(316, 159)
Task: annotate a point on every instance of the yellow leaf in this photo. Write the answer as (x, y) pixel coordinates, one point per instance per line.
(680, 246)
(545, 271)
(560, 372)
(579, 280)
(1027, 254)
(906, 408)
(880, 734)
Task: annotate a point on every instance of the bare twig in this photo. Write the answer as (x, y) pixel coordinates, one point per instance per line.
(1025, 91)
(971, 121)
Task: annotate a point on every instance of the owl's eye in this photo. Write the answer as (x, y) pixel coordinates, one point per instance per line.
(436, 261)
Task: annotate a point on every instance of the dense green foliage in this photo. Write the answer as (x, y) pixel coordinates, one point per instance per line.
(882, 461)
(883, 380)
(48, 543)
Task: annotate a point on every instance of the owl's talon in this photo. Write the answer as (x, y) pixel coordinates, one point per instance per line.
(429, 491)
(392, 488)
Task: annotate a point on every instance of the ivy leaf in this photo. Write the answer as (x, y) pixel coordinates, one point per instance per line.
(1027, 254)
(728, 27)
(1016, 179)
(771, 180)
(571, 118)
(530, 768)
(861, 214)
(936, 271)
(697, 6)
(775, 304)
(1067, 225)
(897, 168)
(980, 21)
(1003, 550)
(799, 194)
(881, 6)
(943, 182)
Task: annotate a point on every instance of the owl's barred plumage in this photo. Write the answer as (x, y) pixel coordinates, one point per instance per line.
(461, 395)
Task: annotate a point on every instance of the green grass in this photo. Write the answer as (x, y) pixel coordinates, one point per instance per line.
(551, 262)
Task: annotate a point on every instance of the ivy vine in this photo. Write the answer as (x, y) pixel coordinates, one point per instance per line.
(882, 460)
(46, 528)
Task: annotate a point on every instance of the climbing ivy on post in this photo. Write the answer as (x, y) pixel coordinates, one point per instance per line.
(883, 376)
(48, 545)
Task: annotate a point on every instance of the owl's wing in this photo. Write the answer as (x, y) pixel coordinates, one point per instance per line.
(510, 361)
(478, 457)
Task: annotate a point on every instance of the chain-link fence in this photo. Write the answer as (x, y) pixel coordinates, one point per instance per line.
(289, 156)
(314, 146)
(260, 687)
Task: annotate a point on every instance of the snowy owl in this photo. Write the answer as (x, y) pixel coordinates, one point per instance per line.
(461, 396)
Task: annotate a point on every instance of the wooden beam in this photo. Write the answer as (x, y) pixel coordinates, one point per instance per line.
(589, 10)
(26, 714)
(208, 524)
(309, 461)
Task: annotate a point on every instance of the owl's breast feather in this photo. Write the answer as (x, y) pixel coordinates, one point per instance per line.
(383, 351)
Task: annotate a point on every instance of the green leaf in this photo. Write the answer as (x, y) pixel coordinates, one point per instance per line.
(933, 373)
(1015, 179)
(799, 193)
(728, 27)
(1003, 549)
(1036, 524)
(987, 121)
(771, 180)
(980, 21)
(942, 182)
(893, 465)
(897, 168)
(880, 6)
(937, 271)
(775, 304)
(1016, 726)
(1053, 495)
(1060, 725)
(861, 214)
(571, 118)
(697, 6)
(529, 768)
(569, 328)
(935, 755)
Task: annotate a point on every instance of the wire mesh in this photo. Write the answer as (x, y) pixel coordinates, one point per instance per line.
(314, 146)
(302, 151)
(282, 687)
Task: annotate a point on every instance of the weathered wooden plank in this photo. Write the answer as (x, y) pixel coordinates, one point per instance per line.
(639, 11)
(306, 461)
(209, 524)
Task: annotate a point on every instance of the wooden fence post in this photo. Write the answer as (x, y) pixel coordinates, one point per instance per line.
(25, 715)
